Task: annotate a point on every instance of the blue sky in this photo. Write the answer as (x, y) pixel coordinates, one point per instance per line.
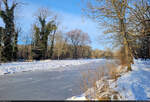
(70, 17)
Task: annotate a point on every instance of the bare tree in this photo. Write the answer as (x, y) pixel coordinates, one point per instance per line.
(139, 27)
(113, 15)
(77, 38)
(59, 44)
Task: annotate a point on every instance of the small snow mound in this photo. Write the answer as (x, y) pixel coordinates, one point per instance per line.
(82, 97)
(1, 72)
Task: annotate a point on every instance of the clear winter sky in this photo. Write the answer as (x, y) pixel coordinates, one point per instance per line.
(70, 12)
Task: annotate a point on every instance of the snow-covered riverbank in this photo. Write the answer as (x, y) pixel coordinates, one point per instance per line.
(134, 85)
(9, 68)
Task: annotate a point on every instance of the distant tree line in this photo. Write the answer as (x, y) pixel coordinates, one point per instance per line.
(64, 49)
(48, 42)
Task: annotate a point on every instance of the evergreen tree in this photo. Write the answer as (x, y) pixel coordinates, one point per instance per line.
(9, 35)
(41, 34)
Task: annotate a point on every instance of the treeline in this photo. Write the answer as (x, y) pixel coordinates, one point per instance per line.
(66, 52)
(48, 42)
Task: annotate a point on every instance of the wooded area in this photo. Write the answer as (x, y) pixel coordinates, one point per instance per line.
(47, 43)
(126, 21)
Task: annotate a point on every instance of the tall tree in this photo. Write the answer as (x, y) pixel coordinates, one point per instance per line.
(41, 34)
(113, 14)
(59, 44)
(1, 41)
(52, 39)
(15, 44)
(140, 25)
(7, 15)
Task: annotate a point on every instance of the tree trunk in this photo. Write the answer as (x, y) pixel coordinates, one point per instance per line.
(128, 53)
(52, 45)
(75, 56)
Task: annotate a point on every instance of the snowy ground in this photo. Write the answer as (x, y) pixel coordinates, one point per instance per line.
(9, 68)
(134, 85)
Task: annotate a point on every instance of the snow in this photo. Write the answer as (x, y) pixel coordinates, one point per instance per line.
(133, 85)
(10, 68)
(80, 97)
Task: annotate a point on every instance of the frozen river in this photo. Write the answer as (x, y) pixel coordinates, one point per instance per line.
(45, 84)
